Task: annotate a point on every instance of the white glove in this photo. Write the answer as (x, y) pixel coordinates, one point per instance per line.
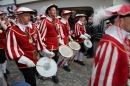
(3, 25)
(87, 35)
(61, 42)
(12, 21)
(70, 38)
(48, 53)
(83, 37)
(27, 61)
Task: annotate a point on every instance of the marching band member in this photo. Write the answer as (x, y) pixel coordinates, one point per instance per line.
(80, 36)
(66, 30)
(12, 18)
(112, 58)
(23, 42)
(39, 19)
(52, 33)
(3, 26)
(42, 16)
(59, 17)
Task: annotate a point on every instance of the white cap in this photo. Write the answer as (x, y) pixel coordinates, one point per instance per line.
(105, 13)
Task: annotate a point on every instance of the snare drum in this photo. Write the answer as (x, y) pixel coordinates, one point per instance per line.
(65, 52)
(87, 44)
(46, 67)
(75, 46)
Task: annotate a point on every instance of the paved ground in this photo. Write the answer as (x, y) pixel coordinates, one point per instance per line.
(79, 75)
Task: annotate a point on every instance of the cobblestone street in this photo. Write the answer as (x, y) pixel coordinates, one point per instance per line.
(79, 75)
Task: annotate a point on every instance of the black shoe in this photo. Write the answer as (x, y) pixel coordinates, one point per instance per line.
(81, 63)
(76, 61)
(66, 68)
(55, 79)
(5, 76)
(90, 56)
(7, 71)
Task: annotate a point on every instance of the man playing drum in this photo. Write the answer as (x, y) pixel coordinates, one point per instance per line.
(23, 42)
(66, 29)
(112, 59)
(4, 24)
(52, 33)
(80, 36)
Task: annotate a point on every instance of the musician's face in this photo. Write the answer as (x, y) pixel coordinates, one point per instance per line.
(67, 16)
(82, 19)
(125, 23)
(52, 12)
(24, 18)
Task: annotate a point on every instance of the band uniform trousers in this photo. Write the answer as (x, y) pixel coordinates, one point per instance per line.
(29, 75)
(82, 49)
(56, 55)
(2, 56)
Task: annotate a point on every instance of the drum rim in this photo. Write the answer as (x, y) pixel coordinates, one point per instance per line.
(75, 43)
(45, 73)
(89, 42)
(69, 56)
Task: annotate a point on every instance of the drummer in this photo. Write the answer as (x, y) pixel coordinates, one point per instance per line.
(12, 19)
(4, 24)
(80, 36)
(23, 42)
(66, 29)
(52, 33)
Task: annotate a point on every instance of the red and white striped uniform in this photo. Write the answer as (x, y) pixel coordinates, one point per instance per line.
(6, 23)
(66, 30)
(110, 62)
(17, 44)
(50, 31)
(37, 23)
(3, 34)
(78, 30)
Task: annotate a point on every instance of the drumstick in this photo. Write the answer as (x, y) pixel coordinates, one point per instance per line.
(41, 65)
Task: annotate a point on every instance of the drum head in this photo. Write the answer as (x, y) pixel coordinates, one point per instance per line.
(66, 51)
(74, 45)
(88, 43)
(46, 67)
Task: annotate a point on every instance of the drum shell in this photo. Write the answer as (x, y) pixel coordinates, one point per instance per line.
(61, 60)
(75, 52)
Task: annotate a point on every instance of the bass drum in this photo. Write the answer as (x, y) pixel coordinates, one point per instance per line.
(65, 52)
(46, 67)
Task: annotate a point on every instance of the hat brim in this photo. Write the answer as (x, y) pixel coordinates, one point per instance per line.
(80, 16)
(67, 13)
(21, 12)
(50, 8)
